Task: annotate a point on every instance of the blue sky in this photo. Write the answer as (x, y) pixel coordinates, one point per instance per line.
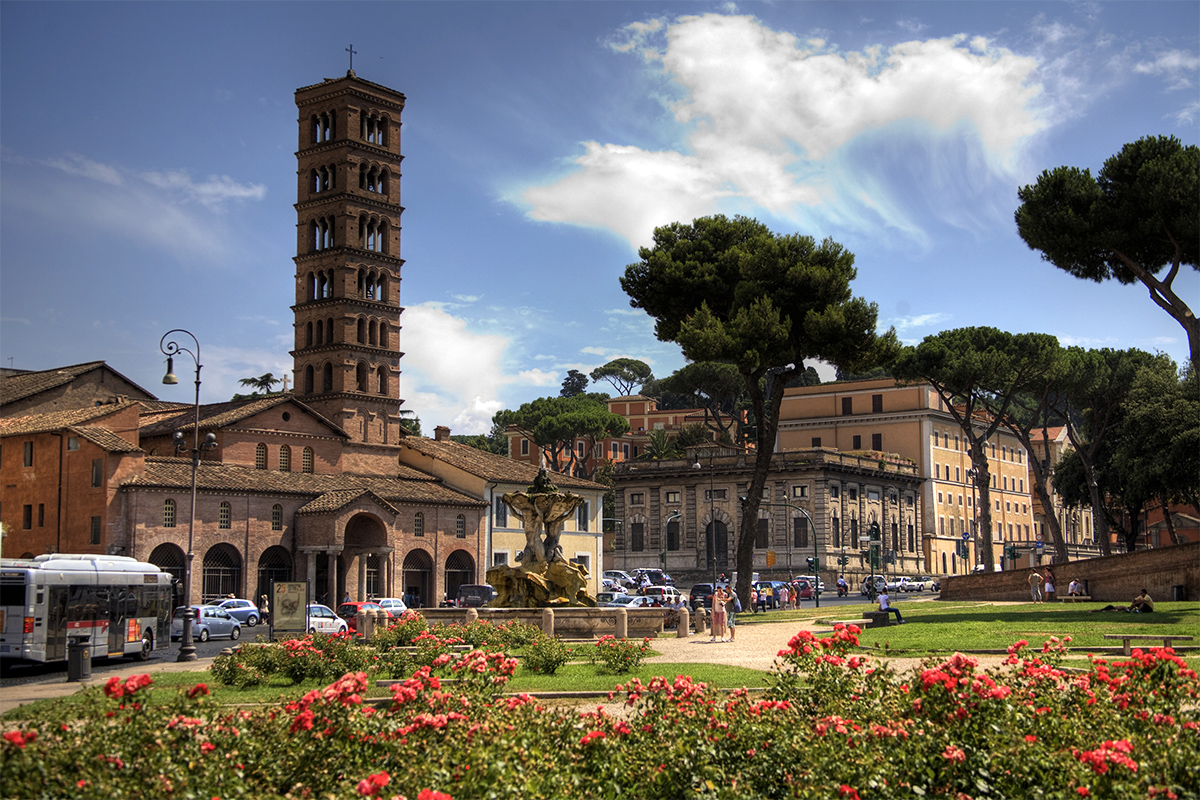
(147, 169)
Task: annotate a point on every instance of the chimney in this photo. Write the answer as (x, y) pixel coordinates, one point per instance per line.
(441, 433)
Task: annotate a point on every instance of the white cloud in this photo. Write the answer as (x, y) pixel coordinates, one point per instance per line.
(919, 321)
(778, 146)
(539, 377)
(75, 164)
(211, 193)
(1176, 66)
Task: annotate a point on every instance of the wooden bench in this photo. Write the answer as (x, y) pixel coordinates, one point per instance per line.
(862, 623)
(1126, 637)
(1075, 598)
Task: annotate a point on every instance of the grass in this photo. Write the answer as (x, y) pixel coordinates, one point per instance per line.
(585, 678)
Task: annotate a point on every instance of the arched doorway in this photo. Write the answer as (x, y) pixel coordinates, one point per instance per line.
(170, 559)
(417, 578)
(460, 569)
(275, 564)
(365, 536)
(718, 549)
(222, 575)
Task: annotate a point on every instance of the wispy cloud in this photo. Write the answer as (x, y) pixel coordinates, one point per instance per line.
(212, 193)
(1178, 67)
(918, 321)
(780, 148)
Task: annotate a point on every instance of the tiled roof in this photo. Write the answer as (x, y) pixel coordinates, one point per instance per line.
(104, 438)
(176, 473)
(57, 420)
(27, 384)
(490, 466)
(337, 500)
(18, 387)
(168, 419)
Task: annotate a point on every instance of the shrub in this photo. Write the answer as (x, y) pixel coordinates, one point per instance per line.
(402, 632)
(231, 670)
(619, 655)
(545, 655)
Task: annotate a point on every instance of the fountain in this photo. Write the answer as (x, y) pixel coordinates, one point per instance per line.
(543, 578)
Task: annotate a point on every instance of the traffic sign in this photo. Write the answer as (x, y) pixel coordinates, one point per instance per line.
(966, 537)
(1039, 545)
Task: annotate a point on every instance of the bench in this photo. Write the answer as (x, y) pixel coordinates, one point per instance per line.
(1075, 598)
(878, 619)
(862, 623)
(1126, 637)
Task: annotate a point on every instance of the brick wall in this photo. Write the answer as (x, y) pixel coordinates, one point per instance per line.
(1115, 579)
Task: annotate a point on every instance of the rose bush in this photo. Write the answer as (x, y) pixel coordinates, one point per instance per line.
(832, 725)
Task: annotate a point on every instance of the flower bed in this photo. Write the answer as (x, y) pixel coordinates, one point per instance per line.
(832, 725)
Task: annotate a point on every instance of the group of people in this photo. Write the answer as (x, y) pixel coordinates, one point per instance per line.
(1039, 582)
(725, 608)
(764, 598)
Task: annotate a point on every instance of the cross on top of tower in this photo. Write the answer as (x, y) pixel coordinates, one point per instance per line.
(351, 51)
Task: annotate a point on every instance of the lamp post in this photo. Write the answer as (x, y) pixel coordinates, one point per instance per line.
(816, 554)
(187, 648)
(662, 557)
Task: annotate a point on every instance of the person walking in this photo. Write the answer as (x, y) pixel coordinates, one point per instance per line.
(1049, 588)
(1035, 586)
(784, 596)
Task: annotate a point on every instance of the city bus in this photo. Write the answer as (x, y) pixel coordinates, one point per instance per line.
(124, 605)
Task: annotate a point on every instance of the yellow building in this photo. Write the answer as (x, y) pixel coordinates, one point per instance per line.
(879, 417)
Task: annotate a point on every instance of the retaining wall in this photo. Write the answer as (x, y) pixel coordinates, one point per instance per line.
(1109, 579)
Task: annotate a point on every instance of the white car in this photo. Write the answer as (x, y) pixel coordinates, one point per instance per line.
(321, 619)
(393, 605)
(620, 577)
(897, 583)
(631, 601)
(812, 579)
(922, 583)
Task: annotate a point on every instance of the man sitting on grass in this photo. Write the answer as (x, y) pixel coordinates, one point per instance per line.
(1142, 604)
(885, 606)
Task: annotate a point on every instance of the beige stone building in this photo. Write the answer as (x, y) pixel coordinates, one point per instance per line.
(878, 417)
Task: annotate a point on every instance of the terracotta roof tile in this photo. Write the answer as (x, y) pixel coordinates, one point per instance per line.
(57, 420)
(489, 466)
(169, 472)
(20, 386)
(104, 438)
(166, 419)
(339, 499)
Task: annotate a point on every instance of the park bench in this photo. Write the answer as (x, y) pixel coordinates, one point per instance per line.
(1126, 637)
(1077, 598)
(878, 619)
(862, 623)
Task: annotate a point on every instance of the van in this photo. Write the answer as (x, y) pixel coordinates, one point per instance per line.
(665, 595)
(474, 595)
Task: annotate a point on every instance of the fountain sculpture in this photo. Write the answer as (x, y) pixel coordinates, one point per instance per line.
(543, 578)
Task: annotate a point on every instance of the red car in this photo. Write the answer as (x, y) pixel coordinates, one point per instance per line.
(349, 611)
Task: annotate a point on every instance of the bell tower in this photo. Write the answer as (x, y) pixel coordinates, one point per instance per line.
(346, 360)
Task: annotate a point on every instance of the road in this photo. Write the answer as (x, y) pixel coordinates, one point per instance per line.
(15, 675)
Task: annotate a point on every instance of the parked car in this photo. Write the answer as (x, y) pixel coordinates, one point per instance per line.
(321, 619)
(656, 577)
(631, 601)
(812, 579)
(474, 595)
(208, 622)
(897, 584)
(700, 595)
(806, 592)
(921, 583)
(349, 611)
(621, 577)
(774, 586)
(393, 605)
(879, 582)
(663, 595)
(604, 599)
(245, 612)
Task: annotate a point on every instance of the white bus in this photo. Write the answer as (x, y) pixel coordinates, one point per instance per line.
(124, 605)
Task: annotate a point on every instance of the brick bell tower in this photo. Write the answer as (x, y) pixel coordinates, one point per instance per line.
(347, 311)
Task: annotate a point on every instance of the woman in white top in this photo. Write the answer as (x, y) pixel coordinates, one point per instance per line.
(884, 605)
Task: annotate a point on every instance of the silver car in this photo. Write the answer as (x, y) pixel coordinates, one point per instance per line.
(243, 611)
(208, 622)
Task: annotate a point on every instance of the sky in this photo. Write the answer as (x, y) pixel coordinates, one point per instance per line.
(148, 172)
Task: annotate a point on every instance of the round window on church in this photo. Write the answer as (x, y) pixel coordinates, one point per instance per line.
(286, 416)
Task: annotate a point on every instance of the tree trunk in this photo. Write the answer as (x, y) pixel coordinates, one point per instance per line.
(1099, 512)
(983, 486)
(1170, 524)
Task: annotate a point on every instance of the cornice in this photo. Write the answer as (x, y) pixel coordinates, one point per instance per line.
(380, 306)
(369, 199)
(342, 252)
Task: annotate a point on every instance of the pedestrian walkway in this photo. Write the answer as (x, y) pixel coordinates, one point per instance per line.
(13, 696)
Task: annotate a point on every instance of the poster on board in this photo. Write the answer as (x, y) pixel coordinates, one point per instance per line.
(289, 608)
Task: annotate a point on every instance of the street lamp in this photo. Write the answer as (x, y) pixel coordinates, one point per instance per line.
(187, 648)
(662, 557)
(816, 554)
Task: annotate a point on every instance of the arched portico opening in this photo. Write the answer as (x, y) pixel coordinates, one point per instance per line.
(222, 573)
(274, 565)
(416, 578)
(460, 569)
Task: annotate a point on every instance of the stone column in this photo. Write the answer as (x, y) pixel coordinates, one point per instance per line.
(362, 576)
(548, 621)
(622, 623)
(331, 579)
(684, 628)
(310, 575)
